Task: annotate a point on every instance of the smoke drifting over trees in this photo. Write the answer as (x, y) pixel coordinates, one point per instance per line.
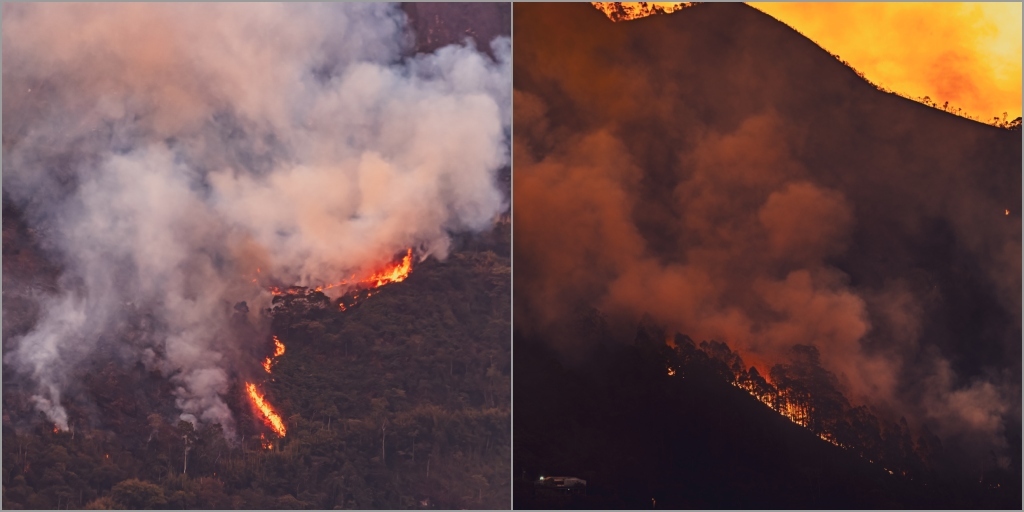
(723, 174)
(164, 153)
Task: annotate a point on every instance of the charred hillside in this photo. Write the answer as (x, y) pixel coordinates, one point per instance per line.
(721, 173)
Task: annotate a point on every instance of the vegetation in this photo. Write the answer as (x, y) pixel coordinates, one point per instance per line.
(401, 401)
(646, 422)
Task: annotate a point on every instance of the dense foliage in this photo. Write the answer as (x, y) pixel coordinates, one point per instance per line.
(400, 401)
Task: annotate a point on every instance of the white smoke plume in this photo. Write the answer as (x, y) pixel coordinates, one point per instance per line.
(168, 151)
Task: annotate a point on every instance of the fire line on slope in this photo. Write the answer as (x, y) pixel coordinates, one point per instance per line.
(394, 272)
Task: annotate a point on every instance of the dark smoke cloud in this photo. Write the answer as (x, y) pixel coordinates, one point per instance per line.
(166, 152)
(718, 172)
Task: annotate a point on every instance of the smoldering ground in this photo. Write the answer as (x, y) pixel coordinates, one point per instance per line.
(173, 159)
(719, 172)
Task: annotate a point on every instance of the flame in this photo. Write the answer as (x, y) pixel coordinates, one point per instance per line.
(1007, 213)
(271, 417)
(623, 11)
(265, 443)
(56, 429)
(278, 352)
(394, 272)
(671, 371)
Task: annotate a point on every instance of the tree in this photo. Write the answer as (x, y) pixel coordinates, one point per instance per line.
(134, 494)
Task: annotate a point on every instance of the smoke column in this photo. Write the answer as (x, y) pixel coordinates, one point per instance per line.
(165, 152)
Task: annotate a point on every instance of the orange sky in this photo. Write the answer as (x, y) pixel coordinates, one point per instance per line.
(968, 54)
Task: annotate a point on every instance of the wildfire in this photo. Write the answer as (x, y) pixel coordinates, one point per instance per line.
(278, 352)
(394, 272)
(1007, 212)
(271, 418)
(623, 11)
(265, 443)
(354, 298)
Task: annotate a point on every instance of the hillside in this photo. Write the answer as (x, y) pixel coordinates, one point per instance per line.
(427, 358)
(691, 441)
(725, 177)
(399, 400)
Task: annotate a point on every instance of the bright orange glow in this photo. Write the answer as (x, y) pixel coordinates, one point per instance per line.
(671, 371)
(270, 417)
(278, 352)
(56, 429)
(964, 58)
(394, 272)
(966, 54)
(1007, 213)
(622, 11)
(265, 443)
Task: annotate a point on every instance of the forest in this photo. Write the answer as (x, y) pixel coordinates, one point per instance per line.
(688, 425)
(400, 401)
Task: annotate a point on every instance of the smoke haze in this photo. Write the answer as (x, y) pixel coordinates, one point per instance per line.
(165, 152)
(717, 171)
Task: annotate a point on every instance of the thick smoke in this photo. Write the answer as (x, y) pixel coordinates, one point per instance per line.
(696, 177)
(164, 153)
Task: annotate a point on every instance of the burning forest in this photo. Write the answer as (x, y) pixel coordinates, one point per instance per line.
(846, 260)
(199, 202)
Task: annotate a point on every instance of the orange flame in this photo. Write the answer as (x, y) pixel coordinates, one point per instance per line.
(395, 272)
(623, 11)
(271, 418)
(278, 352)
(777, 400)
(265, 443)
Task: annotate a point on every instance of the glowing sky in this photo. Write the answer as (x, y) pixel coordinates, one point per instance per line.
(968, 54)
